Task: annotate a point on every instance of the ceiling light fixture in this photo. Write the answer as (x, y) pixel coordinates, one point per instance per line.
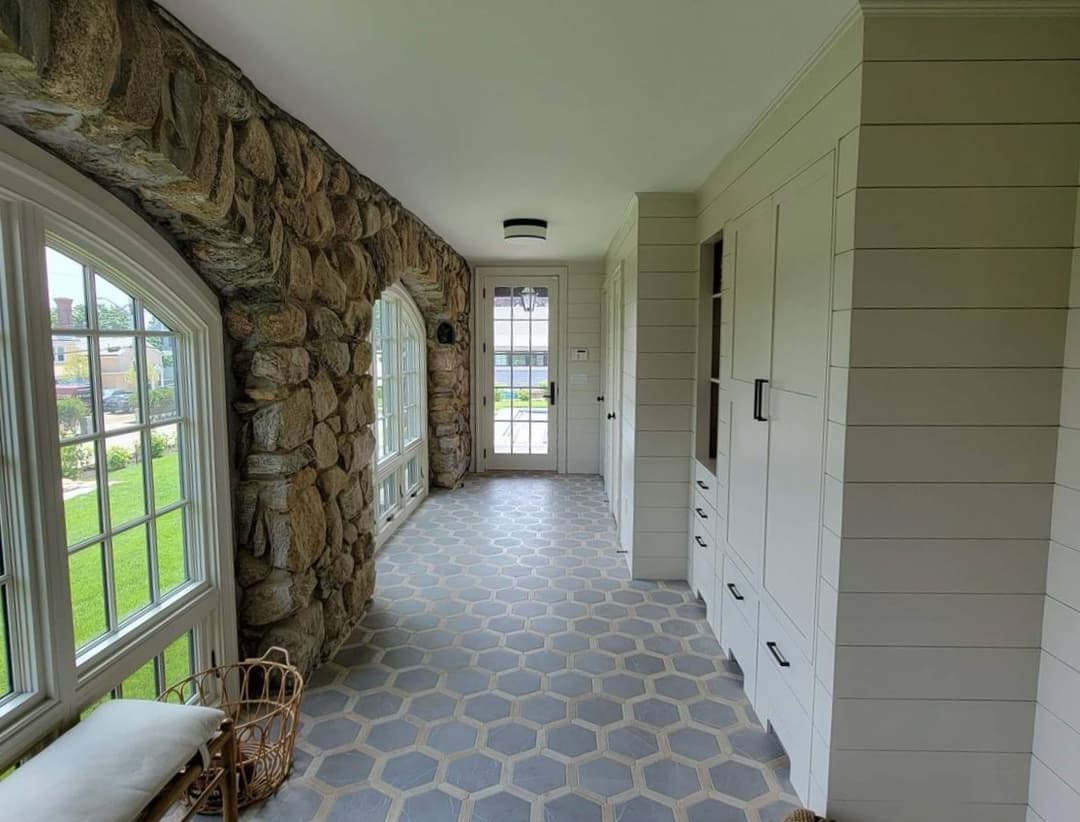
(525, 231)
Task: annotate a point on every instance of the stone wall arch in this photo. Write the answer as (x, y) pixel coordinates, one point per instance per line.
(297, 244)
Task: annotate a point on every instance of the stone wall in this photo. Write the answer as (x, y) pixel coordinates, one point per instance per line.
(298, 245)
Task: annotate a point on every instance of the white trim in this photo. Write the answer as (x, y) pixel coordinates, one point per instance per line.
(49, 195)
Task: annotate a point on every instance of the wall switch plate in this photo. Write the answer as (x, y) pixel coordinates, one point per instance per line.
(581, 355)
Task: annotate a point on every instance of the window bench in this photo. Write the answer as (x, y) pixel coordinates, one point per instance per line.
(129, 760)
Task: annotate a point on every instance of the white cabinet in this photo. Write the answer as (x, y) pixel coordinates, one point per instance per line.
(775, 458)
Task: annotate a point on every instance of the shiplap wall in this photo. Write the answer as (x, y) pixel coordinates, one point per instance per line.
(964, 214)
(1055, 767)
(582, 380)
(667, 261)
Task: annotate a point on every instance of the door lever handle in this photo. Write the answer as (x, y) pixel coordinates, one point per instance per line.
(551, 392)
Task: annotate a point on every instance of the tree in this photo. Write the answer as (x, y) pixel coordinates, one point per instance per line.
(69, 413)
(76, 367)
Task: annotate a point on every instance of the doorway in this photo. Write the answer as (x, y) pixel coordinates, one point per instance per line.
(611, 336)
(519, 372)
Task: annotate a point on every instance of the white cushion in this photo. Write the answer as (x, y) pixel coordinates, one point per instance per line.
(109, 766)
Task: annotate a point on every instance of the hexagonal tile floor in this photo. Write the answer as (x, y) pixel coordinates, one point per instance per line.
(509, 670)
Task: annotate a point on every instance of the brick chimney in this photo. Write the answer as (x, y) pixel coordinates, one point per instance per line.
(63, 311)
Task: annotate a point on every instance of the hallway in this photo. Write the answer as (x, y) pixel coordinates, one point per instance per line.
(510, 671)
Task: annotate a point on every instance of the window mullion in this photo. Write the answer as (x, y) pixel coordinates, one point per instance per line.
(142, 394)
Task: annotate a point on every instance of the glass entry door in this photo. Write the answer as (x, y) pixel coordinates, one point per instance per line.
(520, 362)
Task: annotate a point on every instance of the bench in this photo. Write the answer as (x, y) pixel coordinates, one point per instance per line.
(129, 760)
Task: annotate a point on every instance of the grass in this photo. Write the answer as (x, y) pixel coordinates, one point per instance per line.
(130, 547)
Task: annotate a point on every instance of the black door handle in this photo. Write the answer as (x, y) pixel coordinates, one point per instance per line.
(701, 542)
(702, 485)
(551, 393)
(701, 513)
(759, 395)
(783, 663)
(735, 592)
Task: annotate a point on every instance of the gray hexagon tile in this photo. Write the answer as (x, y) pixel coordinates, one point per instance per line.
(509, 670)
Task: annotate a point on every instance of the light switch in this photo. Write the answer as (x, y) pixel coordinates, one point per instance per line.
(581, 355)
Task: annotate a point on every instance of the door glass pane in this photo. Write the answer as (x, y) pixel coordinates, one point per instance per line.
(520, 404)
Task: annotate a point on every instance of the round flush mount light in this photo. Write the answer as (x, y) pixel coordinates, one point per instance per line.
(525, 230)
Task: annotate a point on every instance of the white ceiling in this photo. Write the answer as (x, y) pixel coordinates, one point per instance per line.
(471, 111)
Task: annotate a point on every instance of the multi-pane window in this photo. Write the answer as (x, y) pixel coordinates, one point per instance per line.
(120, 448)
(115, 573)
(399, 361)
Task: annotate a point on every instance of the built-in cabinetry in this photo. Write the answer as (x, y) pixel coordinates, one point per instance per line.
(758, 476)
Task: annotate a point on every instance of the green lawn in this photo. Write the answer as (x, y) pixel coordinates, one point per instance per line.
(127, 501)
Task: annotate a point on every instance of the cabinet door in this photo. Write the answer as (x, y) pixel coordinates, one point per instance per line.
(749, 472)
(796, 393)
(794, 503)
(754, 258)
(803, 282)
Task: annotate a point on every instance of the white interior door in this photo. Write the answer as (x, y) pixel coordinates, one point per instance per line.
(520, 372)
(612, 426)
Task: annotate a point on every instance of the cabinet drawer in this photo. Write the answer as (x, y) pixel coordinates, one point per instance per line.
(702, 513)
(738, 590)
(704, 481)
(790, 720)
(778, 651)
(703, 549)
(739, 638)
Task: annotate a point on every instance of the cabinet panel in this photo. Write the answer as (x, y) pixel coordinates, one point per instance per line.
(704, 547)
(754, 260)
(747, 492)
(794, 504)
(802, 298)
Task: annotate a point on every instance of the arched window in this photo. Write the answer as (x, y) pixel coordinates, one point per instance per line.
(115, 564)
(399, 370)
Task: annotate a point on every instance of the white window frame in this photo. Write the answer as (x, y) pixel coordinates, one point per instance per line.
(40, 195)
(395, 465)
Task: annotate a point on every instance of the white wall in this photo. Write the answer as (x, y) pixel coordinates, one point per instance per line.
(1055, 767)
(581, 381)
(964, 214)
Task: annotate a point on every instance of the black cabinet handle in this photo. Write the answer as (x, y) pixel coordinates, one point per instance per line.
(702, 485)
(599, 399)
(701, 513)
(611, 416)
(551, 393)
(783, 663)
(700, 541)
(759, 396)
(735, 592)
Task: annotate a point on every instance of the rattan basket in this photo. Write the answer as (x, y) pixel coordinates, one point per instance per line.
(263, 699)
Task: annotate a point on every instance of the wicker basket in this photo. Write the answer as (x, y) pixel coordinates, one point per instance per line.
(263, 699)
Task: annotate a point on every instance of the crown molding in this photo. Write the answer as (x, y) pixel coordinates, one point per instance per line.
(980, 8)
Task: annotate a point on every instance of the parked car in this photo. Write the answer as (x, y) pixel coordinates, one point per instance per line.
(118, 401)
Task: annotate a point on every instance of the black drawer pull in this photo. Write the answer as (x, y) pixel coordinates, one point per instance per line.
(701, 513)
(700, 541)
(702, 485)
(735, 592)
(783, 663)
(759, 400)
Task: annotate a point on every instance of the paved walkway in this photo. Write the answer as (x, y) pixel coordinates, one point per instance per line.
(510, 671)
